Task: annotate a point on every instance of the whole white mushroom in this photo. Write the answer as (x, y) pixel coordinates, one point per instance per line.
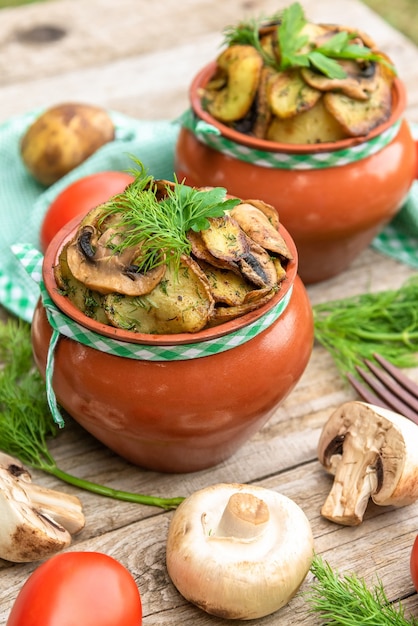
(239, 551)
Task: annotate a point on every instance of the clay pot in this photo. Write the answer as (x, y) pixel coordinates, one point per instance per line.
(332, 213)
(178, 415)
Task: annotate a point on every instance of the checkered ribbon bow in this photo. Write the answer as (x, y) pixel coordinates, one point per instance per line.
(212, 137)
(61, 324)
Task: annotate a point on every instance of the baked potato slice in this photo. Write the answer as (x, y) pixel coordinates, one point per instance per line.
(226, 286)
(230, 94)
(181, 303)
(359, 117)
(289, 95)
(310, 127)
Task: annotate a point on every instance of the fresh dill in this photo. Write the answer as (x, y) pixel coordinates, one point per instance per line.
(294, 48)
(26, 423)
(347, 600)
(353, 329)
(159, 226)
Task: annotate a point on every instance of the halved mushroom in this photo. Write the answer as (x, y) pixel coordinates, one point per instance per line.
(289, 95)
(181, 302)
(238, 551)
(93, 261)
(238, 73)
(36, 522)
(373, 453)
(359, 117)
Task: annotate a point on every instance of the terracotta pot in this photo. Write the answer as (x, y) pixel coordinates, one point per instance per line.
(332, 213)
(182, 415)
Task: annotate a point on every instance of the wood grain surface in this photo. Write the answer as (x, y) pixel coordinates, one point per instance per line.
(139, 58)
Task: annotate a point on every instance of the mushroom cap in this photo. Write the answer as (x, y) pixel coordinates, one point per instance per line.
(249, 574)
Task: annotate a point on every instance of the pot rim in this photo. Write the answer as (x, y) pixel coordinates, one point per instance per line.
(67, 307)
(202, 78)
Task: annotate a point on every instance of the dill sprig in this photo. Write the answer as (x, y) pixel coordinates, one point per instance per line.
(159, 226)
(347, 601)
(353, 329)
(26, 423)
(292, 41)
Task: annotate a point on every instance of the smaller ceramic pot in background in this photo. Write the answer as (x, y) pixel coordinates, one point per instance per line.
(333, 212)
(177, 415)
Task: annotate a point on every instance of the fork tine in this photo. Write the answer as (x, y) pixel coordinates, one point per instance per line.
(407, 383)
(389, 393)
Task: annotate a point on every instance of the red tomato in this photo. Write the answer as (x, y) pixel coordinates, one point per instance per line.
(414, 563)
(78, 589)
(78, 198)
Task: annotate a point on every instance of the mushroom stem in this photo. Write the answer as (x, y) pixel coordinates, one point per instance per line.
(245, 517)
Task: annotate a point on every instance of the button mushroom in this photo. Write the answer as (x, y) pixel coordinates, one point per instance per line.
(35, 522)
(373, 453)
(238, 551)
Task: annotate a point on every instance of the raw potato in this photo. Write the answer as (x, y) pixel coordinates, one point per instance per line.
(62, 138)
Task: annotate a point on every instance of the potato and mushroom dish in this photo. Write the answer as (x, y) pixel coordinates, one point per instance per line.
(164, 258)
(292, 81)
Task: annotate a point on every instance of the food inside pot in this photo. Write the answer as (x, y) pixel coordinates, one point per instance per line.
(288, 80)
(165, 258)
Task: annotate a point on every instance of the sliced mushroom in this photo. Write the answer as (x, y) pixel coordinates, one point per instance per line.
(93, 261)
(257, 226)
(86, 300)
(36, 522)
(289, 95)
(360, 81)
(238, 551)
(373, 453)
(238, 74)
(226, 286)
(254, 300)
(226, 240)
(181, 302)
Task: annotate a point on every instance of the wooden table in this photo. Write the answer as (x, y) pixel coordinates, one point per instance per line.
(139, 58)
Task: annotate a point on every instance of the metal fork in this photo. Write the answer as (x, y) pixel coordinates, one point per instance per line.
(392, 389)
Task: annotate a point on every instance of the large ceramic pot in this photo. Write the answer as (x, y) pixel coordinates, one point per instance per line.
(187, 401)
(333, 197)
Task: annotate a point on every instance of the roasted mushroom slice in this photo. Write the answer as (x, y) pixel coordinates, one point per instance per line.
(182, 302)
(226, 240)
(257, 299)
(86, 300)
(360, 81)
(201, 253)
(373, 453)
(316, 125)
(238, 71)
(102, 269)
(263, 110)
(288, 94)
(359, 117)
(257, 226)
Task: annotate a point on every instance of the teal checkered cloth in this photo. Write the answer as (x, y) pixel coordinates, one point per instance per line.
(23, 202)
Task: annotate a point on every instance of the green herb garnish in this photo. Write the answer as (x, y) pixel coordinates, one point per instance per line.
(159, 227)
(26, 422)
(386, 322)
(292, 41)
(347, 601)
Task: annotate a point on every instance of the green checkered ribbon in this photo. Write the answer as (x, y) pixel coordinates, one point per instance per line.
(213, 138)
(61, 324)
